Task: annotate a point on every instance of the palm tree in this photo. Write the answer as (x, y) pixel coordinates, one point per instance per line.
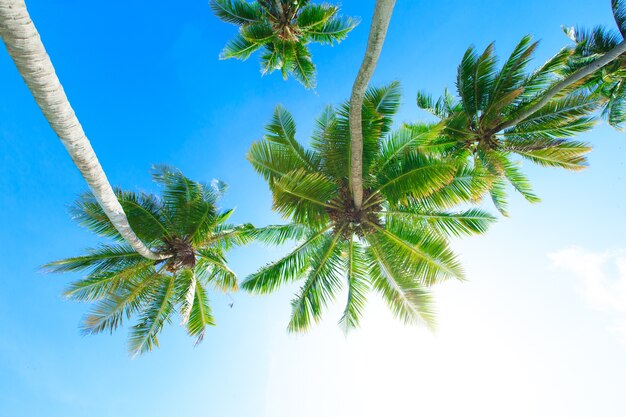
(592, 66)
(283, 28)
(184, 224)
(607, 83)
(395, 244)
(378, 31)
(23, 43)
(478, 126)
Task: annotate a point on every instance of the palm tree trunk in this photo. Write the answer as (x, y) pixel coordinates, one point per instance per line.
(378, 31)
(29, 55)
(578, 75)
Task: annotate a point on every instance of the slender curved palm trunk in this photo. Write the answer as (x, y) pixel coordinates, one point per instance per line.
(578, 75)
(25, 47)
(378, 31)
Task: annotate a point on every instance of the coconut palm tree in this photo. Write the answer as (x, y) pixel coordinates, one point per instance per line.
(283, 29)
(183, 223)
(478, 126)
(607, 83)
(395, 244)
(583, 71)
(23, 43)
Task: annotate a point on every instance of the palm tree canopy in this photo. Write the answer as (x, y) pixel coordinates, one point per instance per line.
(489, 96)
(283, 29)
(608, 83)
(396, 244)
(183, 223)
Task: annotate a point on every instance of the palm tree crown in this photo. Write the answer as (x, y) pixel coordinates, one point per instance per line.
(283, 28)
(475, 126)
(397, 243)
(608, 83)
(183, 223)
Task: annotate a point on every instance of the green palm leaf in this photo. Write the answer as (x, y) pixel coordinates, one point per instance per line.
(408, 300)
(414, 176)
(332, 31)
(619, 13)
(98, 260)
(358, 285)
(239, 48)
(302, 66)
(282, 130)
(321, 285)
(567, 155)
(304, 196)
(124, 300)
(407, 139)
(238, 12)
(472, 221)
(287, 269)
(425, 256)
(143, 336)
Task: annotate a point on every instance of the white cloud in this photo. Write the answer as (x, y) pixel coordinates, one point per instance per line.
(601, 281)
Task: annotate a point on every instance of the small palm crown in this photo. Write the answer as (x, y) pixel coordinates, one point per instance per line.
(184, 224)
(475, 127)
(283, 28)
(609, 83)
(396, 244)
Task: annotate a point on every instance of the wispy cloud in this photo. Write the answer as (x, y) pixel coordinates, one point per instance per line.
(601, 281)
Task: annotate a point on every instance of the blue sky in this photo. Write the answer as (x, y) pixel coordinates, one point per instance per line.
(539, 329)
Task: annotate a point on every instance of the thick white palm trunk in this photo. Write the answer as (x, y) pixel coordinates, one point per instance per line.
(378, 31)
(25, 47)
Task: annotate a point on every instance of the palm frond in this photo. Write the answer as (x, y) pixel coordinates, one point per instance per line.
(273, 161)
(468, 185)
(282, 130)
(475, 78)
(320, 287)
(426, 256)
(615, 109)
(143, 336)
(569, 155)
(333, 30)
(189, 205)
(288, 268)
(406, 297)
(102, 258)
(239, 48)
(619, 13)
(302, 66)
(213, 268)
(200, 316)
(472, 221)
(238, 12)
(499, 196)
(258, 33)
(561, 118)
(519, 181)
(304, 196)
(124, 300)
(408, 138)
(508, 85)
(358, 285)
(413, 176)
(442, 108)
(270, 59)
(100, 285)
(280, 234)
